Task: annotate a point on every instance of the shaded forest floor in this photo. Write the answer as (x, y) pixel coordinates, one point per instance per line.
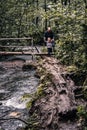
(54, 105)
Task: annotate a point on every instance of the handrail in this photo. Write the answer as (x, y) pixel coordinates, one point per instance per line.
(12, 46)
(24, 38)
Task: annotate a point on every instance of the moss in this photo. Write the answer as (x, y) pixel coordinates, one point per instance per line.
(72, 68)
(39, 93)
(44, 49)
(85, 89)
(45, 81)
(38, 58)
(40, 90)
(26, 96)
(43, 74)
(82, 114)
(39, 72)
(29, 104)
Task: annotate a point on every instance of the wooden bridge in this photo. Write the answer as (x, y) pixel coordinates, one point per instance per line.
(23, 50)
(3, 53)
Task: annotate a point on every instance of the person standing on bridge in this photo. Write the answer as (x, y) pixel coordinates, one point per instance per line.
(49, 34)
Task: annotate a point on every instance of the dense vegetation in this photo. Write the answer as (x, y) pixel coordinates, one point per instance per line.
(68, 19)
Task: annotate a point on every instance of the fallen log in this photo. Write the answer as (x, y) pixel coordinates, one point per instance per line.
(59, 100)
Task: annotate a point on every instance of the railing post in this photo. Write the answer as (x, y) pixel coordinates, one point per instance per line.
(32, 42)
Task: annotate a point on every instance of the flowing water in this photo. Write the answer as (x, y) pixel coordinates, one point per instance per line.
(14, 84)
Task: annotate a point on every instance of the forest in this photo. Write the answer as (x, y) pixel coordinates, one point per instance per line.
(67, 19)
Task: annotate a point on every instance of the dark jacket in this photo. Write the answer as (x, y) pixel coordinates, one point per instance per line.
(48, 34)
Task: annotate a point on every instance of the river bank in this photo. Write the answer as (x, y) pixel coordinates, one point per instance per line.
(55, 105)
(46, 88)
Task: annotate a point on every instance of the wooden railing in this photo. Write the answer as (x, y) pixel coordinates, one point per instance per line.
(24, 38)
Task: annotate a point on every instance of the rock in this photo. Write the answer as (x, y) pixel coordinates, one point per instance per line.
(16, 59)
(14, 114)
(29, 66)
(0, 103)
(2, 68)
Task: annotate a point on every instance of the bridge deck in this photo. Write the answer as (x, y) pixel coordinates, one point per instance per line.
(2, 53)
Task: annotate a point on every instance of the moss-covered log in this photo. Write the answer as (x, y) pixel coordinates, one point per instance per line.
(54, 100)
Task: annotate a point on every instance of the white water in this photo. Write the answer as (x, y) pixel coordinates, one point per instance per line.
(14, 83)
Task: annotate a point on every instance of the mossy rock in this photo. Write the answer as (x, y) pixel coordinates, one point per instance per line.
(26, 96)
(45, 80)
(40, 90)
(2, 68)
(39, 93)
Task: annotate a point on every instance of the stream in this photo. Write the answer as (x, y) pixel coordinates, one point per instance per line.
(14, 84)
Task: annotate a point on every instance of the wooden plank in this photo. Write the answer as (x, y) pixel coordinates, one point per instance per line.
(14, 46)
(21, 53)
(25, 38)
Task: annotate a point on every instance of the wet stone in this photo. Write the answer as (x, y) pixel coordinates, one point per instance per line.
(0, 103)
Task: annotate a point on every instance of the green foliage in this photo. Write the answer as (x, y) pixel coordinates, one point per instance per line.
(26, 95)
(72, 53)
(71, 69)
(85, 92)
(44, 49)
(85, 89)
(68, 20)
(65, 52)
(29, 104)
(82, 114)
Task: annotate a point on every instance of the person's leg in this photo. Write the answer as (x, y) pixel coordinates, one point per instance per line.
(49, 51)
(53, 46)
